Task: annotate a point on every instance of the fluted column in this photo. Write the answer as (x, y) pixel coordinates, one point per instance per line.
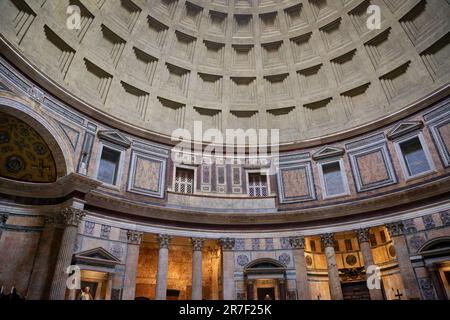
(366, 250)
(334, 281)
(250, 290)
(301, 272)
(131, 264)
(109, 286)
(228, 283)
(45, 258)
(433, 272)
(3, 218)
(215, 266)
(282, 288)
(163, 266)
(412, 290)
(71, 217)
(197, 244)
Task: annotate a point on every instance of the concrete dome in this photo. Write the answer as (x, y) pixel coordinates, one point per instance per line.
(310, 68)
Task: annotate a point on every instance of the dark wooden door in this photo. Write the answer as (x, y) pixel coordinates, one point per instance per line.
(263, 292)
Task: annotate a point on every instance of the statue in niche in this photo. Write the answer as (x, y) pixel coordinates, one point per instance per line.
(86, 294)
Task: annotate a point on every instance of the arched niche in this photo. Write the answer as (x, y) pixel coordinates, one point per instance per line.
(32, 150)
(269, 271)
(436, 257)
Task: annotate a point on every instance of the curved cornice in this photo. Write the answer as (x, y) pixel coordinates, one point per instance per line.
(99, 201)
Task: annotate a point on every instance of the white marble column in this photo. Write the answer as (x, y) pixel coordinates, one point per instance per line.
(334, 281)
(404, 262)
(301, 272)
(71, 218)
(163, 266)
(131, 264)
(228, 283)
(197, 244)
(366, 250)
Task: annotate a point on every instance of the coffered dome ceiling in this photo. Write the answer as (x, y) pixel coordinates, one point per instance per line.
(311, 68)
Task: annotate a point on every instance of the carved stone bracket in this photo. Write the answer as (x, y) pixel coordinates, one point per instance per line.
(395, 229)
(327, 239)
(198, 243)
(134, 237)
(227, 244)
(297, 242)
(362, 234)
(164, 241)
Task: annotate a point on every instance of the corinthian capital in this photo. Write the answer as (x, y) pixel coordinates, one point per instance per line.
(71, 216)
(362, 234)
(227, 244)
(197, 243)
(3, 218)
(327, 239)
(134, 237)
(164, 241)
(297, 242)
(395, 228)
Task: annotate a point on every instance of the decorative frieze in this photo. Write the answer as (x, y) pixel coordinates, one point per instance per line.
(395, 228)
(409, 226)
(445, 217)
(227, 244)
(428, 222)
(285, 243)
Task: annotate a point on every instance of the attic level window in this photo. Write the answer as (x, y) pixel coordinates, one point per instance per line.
(414, 156)
(257, 185)
(184, 181)
(109, 165)
(333, 179)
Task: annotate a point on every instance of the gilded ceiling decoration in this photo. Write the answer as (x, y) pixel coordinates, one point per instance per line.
(24, 155)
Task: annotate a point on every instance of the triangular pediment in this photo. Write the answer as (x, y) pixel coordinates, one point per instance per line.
(404, 128)
(328, 152)
(96, 254)
(115, 137)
